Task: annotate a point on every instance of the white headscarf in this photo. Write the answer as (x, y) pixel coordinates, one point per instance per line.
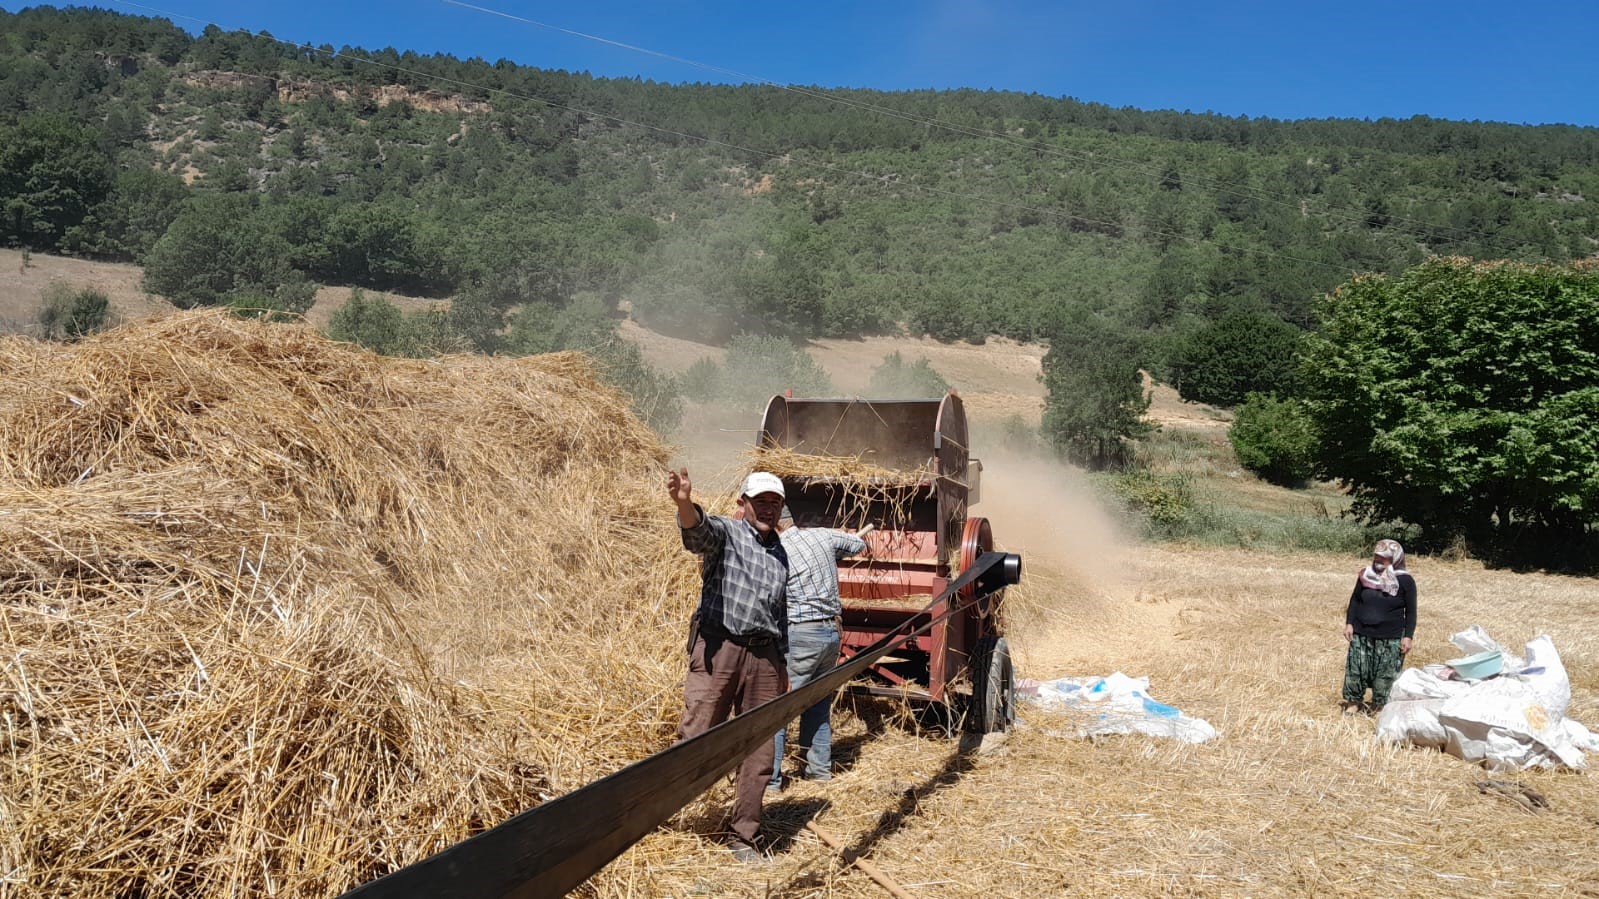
(1388, 579)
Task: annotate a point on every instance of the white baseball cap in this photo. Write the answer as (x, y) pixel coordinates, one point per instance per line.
(760, 482)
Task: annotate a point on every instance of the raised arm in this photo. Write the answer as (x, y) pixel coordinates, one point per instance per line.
(681, 489)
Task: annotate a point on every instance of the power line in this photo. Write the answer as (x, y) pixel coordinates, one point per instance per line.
(879, 179)
(1090, 158)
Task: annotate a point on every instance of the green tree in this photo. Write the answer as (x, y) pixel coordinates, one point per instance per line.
(1462, 397)
(653, 394)
(1238, 354)
(217, 245)
(703, 381)
(70, 314)
(584, 323)
(371, 322)
(897, 379)
(759, 367)
(1274, 438)
(784, 285)
(142, 205)
(1096, 398)
(52, 173)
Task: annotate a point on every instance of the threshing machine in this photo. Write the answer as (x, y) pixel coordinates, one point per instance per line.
(917, 501)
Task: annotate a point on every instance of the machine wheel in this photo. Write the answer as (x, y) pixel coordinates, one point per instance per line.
(993, 706)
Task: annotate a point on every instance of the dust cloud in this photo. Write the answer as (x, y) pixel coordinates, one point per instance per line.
(1079, 607)
(714, 442)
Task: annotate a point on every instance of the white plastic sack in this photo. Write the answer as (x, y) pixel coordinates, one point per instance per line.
(1503, 724)
(1474, 639)
(1423, 683)
(1413, 721)
(1510, 722)
(1546, 674)
(1581, 737)
(1116, 704)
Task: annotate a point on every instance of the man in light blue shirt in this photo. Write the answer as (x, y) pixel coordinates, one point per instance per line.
(814, 634)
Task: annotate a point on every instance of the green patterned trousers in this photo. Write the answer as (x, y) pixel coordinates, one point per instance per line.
(1371, 663)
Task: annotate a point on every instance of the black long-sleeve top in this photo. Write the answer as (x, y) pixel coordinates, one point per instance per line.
(1380, 616)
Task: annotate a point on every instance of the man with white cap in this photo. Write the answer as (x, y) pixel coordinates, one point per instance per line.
(740, 631)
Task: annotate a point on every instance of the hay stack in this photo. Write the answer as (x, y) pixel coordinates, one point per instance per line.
(278, 615)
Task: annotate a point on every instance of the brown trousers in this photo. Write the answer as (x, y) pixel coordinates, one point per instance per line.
(724, 677)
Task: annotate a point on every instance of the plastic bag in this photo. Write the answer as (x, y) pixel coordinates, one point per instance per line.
(1424, 683)
(1502, 723)
(1116, 704)
(1510, 722)
(1413, 721)
(1474, 639)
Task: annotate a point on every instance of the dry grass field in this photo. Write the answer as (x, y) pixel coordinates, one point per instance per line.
(1292, 799)
(22, 290)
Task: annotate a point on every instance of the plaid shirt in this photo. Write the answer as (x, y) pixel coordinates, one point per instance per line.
(813, 555)
(742, 578)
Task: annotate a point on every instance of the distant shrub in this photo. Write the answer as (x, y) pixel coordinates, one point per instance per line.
(654, 395)
(1240, 353)
(371, 322)
(897, 379)
(1274, 438)
(760, 367)
(68, 314)
(1016, 435)
(703, 381)
(1165, 500)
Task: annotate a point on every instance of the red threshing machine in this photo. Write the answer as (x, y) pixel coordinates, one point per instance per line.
(922, 539)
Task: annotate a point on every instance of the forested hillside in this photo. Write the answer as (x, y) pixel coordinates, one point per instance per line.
(234, 165)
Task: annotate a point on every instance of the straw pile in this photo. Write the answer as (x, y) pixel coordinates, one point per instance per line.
(788, 463)
(866, 491)
(278, 615)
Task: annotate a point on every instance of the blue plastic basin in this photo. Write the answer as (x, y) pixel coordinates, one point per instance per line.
(1476, 667)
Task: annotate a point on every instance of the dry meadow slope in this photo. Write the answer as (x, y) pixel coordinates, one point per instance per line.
(22, 290)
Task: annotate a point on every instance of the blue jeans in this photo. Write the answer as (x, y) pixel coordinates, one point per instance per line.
(812, 651)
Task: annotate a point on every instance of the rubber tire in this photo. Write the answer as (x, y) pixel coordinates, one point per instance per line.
(993, 705)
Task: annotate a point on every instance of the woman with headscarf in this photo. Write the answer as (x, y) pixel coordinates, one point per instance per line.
(1379, 625)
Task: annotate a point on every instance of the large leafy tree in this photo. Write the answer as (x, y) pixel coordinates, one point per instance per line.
(218, 245)
(1464, 397)
(1236, 355)
(1097, 400)
(53, 171)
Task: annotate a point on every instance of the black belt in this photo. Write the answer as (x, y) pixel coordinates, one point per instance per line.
(748, 641)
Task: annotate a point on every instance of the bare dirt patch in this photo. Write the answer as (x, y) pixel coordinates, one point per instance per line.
(22, 287)
(1168, 409)
(22, 290)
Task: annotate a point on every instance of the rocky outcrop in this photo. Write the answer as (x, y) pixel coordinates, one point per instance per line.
(300, 90)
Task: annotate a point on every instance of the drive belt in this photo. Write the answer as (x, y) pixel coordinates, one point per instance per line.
(552, 848)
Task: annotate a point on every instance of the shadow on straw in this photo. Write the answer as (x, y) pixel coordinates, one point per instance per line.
(784, 819)
(959, 762)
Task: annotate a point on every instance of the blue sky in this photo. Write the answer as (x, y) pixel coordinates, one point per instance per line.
(1534, 61)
